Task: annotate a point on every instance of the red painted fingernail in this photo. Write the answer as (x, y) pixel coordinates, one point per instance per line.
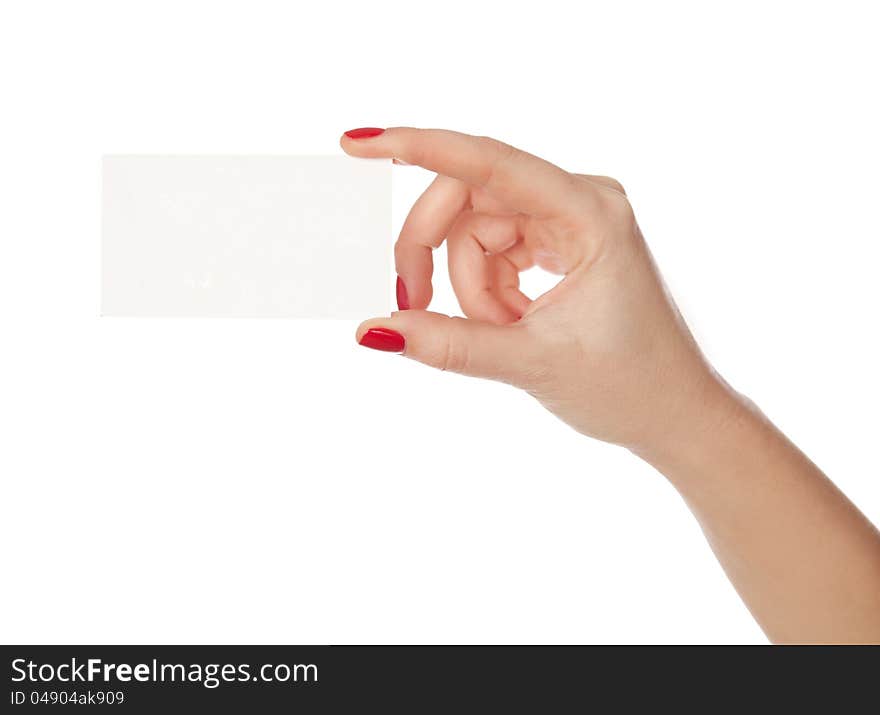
(363, 132)
(383, 339)
(402, 297)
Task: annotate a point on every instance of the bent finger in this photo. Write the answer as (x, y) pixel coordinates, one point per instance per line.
(471, 272)
(425, 228)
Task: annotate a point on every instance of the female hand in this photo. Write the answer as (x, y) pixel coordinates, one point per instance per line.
(606, 349)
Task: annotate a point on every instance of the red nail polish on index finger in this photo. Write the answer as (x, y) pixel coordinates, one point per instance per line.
(363, 132)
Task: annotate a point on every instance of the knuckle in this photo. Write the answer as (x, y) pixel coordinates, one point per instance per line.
(455, 356)
(582, 189)
(499, 154)
(492, 145)
(413, 153)
(613, 183)
(618, 208)
(412, 150)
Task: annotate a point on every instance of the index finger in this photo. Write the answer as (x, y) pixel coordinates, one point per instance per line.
(522, 181)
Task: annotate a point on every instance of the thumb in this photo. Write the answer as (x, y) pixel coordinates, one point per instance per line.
(469, 347)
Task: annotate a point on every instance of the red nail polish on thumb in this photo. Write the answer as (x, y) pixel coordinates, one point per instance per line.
(390, 341)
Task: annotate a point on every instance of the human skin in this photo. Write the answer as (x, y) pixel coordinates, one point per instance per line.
(608, 352)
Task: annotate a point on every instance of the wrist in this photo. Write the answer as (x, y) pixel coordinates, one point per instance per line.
(710, 433)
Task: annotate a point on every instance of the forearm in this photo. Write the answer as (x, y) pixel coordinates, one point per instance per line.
(801, 555)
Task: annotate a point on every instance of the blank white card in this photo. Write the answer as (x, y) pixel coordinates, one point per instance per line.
(246, 236)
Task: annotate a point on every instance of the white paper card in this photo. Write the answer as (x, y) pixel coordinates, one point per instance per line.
(246, 236)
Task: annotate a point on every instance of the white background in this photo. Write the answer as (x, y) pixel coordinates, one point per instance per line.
(270, 481)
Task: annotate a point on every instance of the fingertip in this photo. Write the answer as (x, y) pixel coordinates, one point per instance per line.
(415, 265)
(381, 338)
(402, 294)
(515, 300)
(359, 142)
(413, 294)
(368, 325)
(349, 146)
